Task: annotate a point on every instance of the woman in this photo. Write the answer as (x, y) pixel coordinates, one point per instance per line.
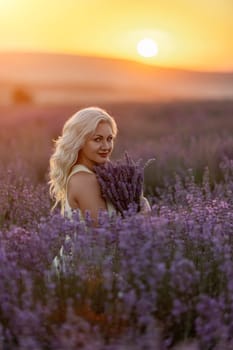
(87, 140)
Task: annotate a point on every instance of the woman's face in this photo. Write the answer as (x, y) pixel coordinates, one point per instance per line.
(98, 147)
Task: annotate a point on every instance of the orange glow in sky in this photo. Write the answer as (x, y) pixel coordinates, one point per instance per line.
(193, 34)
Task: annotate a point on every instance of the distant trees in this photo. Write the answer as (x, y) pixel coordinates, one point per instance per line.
(21, 96)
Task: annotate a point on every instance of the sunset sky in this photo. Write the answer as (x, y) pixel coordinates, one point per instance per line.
(193, 34)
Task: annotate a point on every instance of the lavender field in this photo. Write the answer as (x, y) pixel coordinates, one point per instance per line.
(157, 281)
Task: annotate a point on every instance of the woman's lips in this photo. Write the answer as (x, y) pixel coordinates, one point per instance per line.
(104, 155)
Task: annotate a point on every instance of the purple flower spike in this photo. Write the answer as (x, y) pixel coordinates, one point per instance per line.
(121, 183)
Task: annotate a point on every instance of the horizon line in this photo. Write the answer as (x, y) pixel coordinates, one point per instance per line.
(114, 58)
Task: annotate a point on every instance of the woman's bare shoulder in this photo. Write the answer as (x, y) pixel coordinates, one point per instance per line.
(82, 181)
(83, 191)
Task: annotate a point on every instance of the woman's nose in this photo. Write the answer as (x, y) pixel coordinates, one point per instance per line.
(105, 144)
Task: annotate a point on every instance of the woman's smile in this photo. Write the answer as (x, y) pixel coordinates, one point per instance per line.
(104, 155)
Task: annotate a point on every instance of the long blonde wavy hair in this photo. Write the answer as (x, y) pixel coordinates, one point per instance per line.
(67, 146)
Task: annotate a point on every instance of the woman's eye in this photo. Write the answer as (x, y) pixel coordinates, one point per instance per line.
(97, 140)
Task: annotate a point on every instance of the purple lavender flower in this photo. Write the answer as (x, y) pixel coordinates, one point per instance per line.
(121, 183)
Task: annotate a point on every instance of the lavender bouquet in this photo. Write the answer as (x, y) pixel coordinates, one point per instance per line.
(121, 183)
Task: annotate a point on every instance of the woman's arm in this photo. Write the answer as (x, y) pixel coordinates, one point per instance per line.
(83, 192)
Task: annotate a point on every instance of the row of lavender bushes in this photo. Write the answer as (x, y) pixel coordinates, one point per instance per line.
(142, 282)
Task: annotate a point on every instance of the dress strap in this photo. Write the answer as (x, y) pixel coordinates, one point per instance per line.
(78, 168)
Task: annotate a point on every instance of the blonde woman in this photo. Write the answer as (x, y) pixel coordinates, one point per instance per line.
(87, 140)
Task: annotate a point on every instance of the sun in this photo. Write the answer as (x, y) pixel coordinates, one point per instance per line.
(147, 47)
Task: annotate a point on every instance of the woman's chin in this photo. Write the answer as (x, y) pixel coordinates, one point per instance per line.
(102, 161)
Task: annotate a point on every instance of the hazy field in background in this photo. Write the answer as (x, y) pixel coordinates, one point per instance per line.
(69, 79)
(180, 135)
